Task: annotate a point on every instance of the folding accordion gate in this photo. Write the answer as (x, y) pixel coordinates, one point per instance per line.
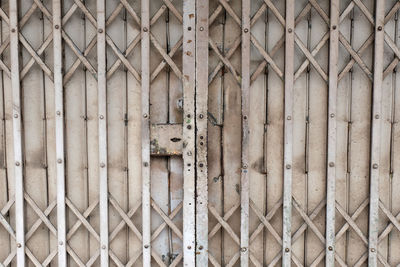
(199, 133)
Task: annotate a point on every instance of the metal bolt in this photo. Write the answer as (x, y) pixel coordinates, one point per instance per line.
(100, 30)
(145, 164)
(377, 116)
(61, 243)
(201, 29)
(289, 118)
(245, 117)
(201, 165)
(19, 245)
(243, 250)
(200, 247)
(189, 247)
(246, 30)
(15, 115)
(101, 117)
(189, 28)
(334, 27)
(145, 115)
(17, 163)
(12, 30)
(379, 28)
(244, 166)
(189, 153)
(189, 127)
(290, 30)
(103, 246)
(145, 29)
(286, 249)
(288, 166)
(59, 161)
(332, 115)
(146, 246)
(201, 116)
(58, 112)
(375, 166)
(330, 248)
(102, 165)
(372, 250)
(331, 164)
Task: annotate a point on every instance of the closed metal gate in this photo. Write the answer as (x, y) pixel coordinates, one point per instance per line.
(199, 133)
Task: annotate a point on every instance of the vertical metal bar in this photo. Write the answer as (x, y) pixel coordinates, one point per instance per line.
(376, 134)
(17, 134)
(331, 159)
(201, 133)
(288, 134)
(244, 179)
(145, 95)
(59, 125)
(102, 118)
(189, 75)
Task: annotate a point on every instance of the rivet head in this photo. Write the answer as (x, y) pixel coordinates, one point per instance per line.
(189, 247)
(19, 245)
(243, 249)
(246, 30)
(372, 250)
(244, 166)
(289, 118)
(146, 246)
(288, 166)
(145, 115)
(189, 28)
(334, 27)
(375, 166)
(201, 116)
(17, 163)
(15, 115)
(100, 30)
(101, 117)
(59, 161)
(102, 165)
(331, 164)
(145, 29)
(201, 29)
(189, 153)
(286, 249)
(379, 28)
(61, 243)
(200, 247)
(103, 246)
(189, 127)
(56, 27)
(12, 30)
(58, 112)
(377, 116)
(330, 248)
(332, 115)
(290, 30)
(201, 165)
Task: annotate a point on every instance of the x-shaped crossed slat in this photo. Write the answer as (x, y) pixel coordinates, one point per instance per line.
(126, 220)
(351, 223)
(8, 228)
(223, 223)
(393, 222)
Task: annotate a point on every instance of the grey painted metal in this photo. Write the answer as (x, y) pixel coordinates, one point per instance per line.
(145, 132)
(245, 99)
(288, 134)
(17, 135)
(331, 117)
(189, 152)
(376, 118)
(102, 120)
(202, 8)
(59, 121)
